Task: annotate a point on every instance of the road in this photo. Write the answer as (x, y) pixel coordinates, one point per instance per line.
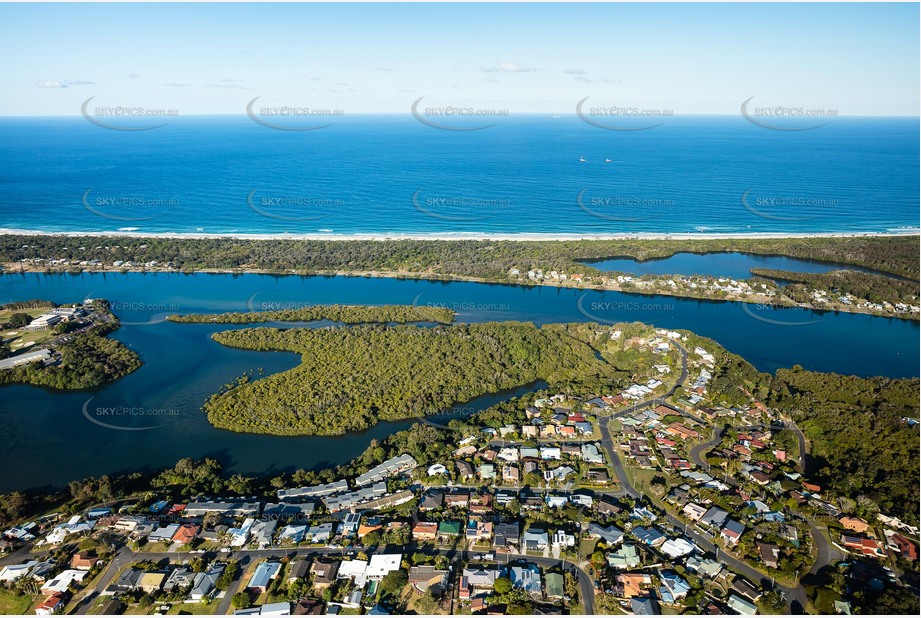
(125, 556)
(797, 595)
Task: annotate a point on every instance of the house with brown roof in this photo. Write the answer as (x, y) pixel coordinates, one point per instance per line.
(186, 533)
(425, 531)
(324, 572)
(907, 549)
(84, 560)
(854, 523)
(458, 499)
(308, 607)
(862, 545)
(426, 577)
(464, 470)
(770, 553)
(51, 605)
(629, 585)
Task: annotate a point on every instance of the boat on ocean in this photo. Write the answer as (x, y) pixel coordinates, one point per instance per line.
(582, 159)
(609, 160)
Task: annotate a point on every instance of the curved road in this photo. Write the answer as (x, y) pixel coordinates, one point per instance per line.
(797, 594)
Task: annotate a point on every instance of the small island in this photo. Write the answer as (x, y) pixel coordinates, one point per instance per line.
(63, 347)
(345, 314)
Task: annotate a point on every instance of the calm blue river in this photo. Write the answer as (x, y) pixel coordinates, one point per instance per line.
(49, 440)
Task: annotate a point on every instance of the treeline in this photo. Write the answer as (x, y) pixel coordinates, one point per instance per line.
(489, 259)
(28, 304)
(351, 378)
(346, 314)
(875, 288)
(862, 445)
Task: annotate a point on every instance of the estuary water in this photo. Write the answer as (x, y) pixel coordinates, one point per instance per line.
(50, 439)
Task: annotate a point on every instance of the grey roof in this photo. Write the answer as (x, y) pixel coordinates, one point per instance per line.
(314, 490)
(395, 465)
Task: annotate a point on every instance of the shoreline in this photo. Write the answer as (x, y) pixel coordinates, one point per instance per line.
(382, 274)
(459, 236)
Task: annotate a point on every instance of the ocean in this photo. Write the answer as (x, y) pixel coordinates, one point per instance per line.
(393, 175)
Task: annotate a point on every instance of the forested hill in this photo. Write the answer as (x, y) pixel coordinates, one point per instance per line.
(863, 446)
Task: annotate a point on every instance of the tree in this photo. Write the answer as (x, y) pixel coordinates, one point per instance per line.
(393, 583)
(427, 603)
(241, 600)
(503, 585)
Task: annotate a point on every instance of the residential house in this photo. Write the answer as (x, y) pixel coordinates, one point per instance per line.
(769, 552)
(507, 535)
(526, 577)
(626, 557)
(855, 523)
(611, 535)
(732, 531)
(535, 539)
(425, 531)
(428, 577)
(205, 583)
(629, 585)
(263, 575)
(324, 572)
(84, 560)
(555, 585)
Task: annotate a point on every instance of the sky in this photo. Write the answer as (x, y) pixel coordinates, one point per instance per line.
(856, 59)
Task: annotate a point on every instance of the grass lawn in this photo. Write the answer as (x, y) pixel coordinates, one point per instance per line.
(586, 547)
(11, 604)
(196, 609)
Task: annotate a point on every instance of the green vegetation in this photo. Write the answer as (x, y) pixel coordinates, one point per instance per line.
(350, 378)
(346, 314)
(873, 287)
(862, 446)
(86, 361)
(14, 602)
(475, 258)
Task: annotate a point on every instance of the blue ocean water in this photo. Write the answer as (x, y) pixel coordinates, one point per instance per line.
(394, 175)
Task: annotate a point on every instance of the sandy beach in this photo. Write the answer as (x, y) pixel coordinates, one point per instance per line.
(459, 236)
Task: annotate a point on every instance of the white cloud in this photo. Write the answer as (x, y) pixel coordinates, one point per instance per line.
(575, 71)
(133, 76)
(51, 84)
(177, 85)
(508, 67)
(79, 82)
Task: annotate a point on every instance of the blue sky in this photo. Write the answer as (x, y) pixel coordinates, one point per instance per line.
(859, 59)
